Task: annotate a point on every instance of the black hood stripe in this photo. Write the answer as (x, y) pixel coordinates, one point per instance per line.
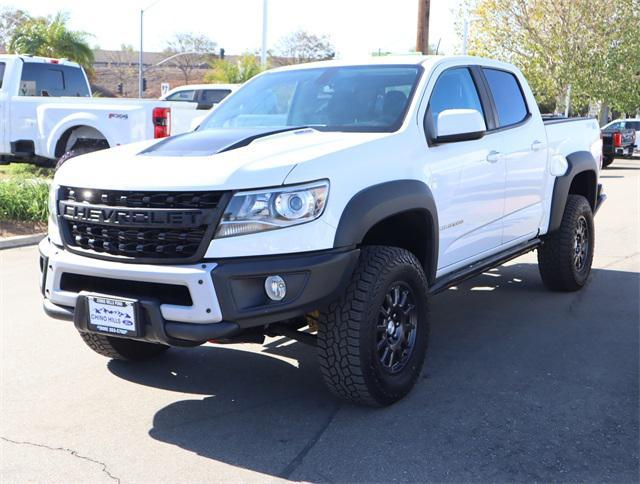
(211, 141)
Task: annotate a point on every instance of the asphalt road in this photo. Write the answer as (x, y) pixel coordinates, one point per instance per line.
(520, 384)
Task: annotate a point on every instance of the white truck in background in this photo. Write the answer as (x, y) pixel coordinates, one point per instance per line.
(47, 112)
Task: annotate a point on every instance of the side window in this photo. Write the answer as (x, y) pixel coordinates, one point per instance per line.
(454, 89)
(182, 96)
(39, 79)
(214, 96)
(634, 125)
(2, 66)
(507, 96)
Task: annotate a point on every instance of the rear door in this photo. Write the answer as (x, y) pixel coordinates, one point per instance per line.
(40, 81)
(522, 141)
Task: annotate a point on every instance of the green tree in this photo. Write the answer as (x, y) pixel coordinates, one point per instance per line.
(10, 20)
(591, 45)
(227, 72)
(51, 37)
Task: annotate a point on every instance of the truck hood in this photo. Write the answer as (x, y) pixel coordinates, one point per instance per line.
(207, 160)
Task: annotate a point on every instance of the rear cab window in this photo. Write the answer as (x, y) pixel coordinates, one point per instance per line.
(54, 80)
(507, 96)
(2, 67)
(613, 127)
(214, 96)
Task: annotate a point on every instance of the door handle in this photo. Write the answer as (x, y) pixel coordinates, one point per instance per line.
(494, 156)
(537, 145)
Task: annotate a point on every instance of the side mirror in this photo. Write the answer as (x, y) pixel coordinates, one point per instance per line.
(460, 125)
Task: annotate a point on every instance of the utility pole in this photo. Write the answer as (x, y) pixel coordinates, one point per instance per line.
(422, 37)
(265, 22)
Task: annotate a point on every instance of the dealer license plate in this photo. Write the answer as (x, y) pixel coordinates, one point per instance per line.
(113, 315)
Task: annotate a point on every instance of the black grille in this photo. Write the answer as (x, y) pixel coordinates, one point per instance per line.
(137, 242)
(157, 239)
(117, 198)
(165, 293)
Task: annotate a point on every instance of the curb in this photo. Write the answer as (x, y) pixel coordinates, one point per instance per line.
(21, 241)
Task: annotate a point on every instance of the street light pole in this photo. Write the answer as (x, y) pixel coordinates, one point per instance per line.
(263, 52)
(140, 56)
(466, 25)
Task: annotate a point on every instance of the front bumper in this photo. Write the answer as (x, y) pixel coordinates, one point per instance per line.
(222, 298)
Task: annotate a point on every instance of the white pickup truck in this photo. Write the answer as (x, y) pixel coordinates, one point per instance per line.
(327, 203)
(47, 112)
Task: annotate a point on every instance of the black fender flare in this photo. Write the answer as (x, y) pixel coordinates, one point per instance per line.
(379, 202)
(579, 162)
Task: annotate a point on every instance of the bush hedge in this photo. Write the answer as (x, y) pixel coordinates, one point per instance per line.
(24, 195)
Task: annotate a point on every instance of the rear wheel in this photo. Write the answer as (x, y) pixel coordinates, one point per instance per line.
(566, 255)
(86, 146)
(372, 342)
(606, 161)
(121, 348)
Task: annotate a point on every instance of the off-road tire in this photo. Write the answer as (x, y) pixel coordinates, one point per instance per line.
(348, 329)
(557, 255)
(121, 348)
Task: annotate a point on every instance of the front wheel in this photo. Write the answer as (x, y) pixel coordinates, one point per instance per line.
(372, 342)
(121, 348)
(565, 258)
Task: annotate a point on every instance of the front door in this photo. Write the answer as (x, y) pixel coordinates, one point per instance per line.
(467, 178)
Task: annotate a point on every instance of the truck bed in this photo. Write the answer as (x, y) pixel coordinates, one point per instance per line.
(570, 135)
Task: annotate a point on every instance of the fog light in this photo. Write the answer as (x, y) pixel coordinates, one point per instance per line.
(275, 287)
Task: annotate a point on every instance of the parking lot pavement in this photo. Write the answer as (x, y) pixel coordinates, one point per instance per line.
(520, 384)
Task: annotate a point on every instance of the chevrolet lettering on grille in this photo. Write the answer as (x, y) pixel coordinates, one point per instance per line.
(132, 217)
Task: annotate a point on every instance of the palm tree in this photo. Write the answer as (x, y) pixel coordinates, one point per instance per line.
(50, 37)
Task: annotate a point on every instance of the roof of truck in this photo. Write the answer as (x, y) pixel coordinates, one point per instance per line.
(394, 60)
(39, 59)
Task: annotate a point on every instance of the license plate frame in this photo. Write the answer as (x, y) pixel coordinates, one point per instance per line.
(112, 315)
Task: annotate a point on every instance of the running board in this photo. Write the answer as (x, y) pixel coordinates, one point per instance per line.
(456, 277)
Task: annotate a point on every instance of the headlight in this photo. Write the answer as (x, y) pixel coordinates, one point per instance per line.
(257, 211)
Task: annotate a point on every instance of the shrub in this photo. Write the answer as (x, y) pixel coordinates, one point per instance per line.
(227, 72)
(24, 199)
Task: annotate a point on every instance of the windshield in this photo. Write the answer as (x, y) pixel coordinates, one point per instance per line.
(363, 99)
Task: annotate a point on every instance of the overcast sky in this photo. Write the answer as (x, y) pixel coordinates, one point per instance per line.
(356, 27)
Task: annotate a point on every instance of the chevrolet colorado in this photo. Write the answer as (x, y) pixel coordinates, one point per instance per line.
(327, 203)
(47, 112)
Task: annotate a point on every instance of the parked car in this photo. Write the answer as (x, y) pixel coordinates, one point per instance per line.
(336, 197)
(619, 138)
(630, 123)
(47, 112)
(205, 96)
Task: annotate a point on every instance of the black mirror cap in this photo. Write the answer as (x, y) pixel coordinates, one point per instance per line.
(453, 138)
